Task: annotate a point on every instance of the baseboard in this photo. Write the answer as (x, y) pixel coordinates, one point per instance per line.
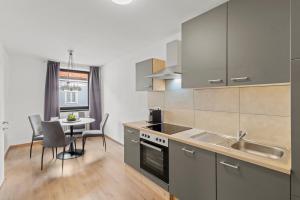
(20, 145)
(37, 142)
(1, 182)
(114, 140)
(6, 152)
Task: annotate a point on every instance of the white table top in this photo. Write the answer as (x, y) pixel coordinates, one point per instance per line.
(81, 121)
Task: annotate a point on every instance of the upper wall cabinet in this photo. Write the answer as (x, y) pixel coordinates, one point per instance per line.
(146, 68)
(258, 41)
(204, 49)
(295, 29)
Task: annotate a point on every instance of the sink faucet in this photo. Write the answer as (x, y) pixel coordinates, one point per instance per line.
(240, 135)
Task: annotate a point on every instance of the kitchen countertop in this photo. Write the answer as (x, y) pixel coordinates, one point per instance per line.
(281, 165)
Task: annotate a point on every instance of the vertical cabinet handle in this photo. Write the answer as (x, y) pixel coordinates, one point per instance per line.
(240, 79)
(229, 165)
(216, 81)
(188, 151)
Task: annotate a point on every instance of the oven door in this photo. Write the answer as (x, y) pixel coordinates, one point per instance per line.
(155, 159)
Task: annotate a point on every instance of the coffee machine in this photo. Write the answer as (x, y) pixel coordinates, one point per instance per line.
(155, 116)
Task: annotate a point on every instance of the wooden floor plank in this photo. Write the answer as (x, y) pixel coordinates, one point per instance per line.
(96, 175)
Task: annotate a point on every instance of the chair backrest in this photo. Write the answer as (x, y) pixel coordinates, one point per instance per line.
(54, 135)
(103, 122)
(54, 119)
(36, 124)
(80, 115)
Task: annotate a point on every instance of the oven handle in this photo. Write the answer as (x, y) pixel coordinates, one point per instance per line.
(151, 146)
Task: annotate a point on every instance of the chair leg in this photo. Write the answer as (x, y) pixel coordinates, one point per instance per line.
(63, 158)
(104, 142)
(56, 151)
(42, 158)
(31, 147)
(52, 152)
(83, 143)
(75, 144)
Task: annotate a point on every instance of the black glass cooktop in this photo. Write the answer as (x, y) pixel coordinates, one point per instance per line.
(168, 128)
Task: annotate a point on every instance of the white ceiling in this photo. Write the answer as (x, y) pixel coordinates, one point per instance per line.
(98, 30)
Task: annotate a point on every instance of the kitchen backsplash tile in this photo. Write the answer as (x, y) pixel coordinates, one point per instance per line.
(179, 99)
(262, 111)
(156, 99)
(219, 122)
(273, 130)
(271, 100)
(180, 117)
(219, 99)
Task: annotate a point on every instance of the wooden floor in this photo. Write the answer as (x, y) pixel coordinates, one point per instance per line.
(97, 175)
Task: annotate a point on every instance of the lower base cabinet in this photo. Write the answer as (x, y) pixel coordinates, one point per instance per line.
(238, 180)
(132, 148)
(192, 172)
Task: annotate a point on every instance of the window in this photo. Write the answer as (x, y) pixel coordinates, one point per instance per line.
(71, 97)
(74, 100)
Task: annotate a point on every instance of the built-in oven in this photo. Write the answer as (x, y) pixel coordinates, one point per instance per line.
(154, 154)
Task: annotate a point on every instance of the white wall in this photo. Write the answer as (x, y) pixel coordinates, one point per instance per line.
(25, 85)
(25, 82)
(3, 144)
(120, 98)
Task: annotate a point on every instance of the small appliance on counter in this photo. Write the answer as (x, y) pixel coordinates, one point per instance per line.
(155, 116)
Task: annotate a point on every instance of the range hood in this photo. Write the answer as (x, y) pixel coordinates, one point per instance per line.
(173, 69)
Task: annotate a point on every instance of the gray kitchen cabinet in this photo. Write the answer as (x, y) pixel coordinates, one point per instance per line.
(295, 29)
(238, 180)
(192, 172)
(204, 46)
(132, 147)
(258, 41)
(145, 68)
(295, 126)
(295, 198)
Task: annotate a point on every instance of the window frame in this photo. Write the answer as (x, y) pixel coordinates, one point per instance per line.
(77, 108)
(71, 97)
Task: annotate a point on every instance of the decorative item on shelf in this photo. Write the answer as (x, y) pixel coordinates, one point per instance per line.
(70, 86)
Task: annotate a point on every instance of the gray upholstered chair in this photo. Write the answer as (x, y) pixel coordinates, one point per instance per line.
(37, 130)
(54, 137)
(96, 133)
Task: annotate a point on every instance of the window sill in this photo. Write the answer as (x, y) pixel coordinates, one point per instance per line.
(62, 110)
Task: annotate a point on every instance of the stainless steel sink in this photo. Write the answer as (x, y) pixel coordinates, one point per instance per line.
(260, 150)
(208, 137)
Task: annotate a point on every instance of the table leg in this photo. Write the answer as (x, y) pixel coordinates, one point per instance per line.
(71, 153)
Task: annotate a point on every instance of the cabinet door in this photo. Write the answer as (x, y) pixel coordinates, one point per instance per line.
(204, 49)
(295, 198)
(143, 69)
(241, 180)
(258, 41)
(295, 98)
(132, 148)
(295, 29)
(192, 172)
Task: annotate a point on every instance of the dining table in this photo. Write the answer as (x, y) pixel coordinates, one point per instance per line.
(73, 152)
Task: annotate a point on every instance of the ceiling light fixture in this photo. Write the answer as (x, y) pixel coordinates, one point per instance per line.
(122, 2)
(70, 85)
